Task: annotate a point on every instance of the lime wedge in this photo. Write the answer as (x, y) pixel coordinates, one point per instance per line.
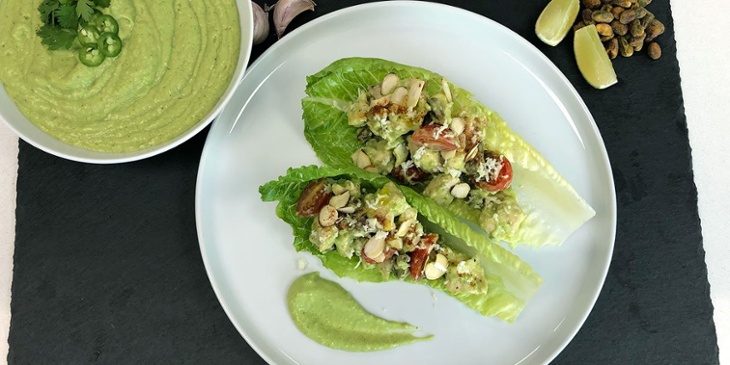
(556, 20)
(592, 59)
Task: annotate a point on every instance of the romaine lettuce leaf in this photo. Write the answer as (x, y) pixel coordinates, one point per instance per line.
(511, 281)
(554, 209)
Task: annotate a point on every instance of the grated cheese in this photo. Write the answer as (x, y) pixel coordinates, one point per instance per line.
(489, 169)
(461, 268)
(438, 131)
(406, 165)
(419, 152)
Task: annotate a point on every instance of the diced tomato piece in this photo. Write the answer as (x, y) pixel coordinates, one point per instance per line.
(411, 176)
(420, 255)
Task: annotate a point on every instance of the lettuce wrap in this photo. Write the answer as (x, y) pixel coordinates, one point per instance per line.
(503, 285)
(415, 127)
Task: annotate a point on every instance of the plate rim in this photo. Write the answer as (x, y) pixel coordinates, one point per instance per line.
(611, 211)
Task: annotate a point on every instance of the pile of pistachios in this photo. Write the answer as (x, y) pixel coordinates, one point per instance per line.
(624, 26)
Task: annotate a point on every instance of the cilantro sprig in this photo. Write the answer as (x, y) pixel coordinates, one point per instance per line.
(66, 21)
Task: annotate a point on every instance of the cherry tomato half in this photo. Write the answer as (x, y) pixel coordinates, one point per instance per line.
(435, 137)
(503, 179)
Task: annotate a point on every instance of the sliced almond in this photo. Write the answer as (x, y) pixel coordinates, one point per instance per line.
(414, 92)
(361, 159)
(457, 125)
(404, 228)
(390, 82)
(375, 246)
(436, 269)
(339, 201)
(338, 189)
(328, 216)
(375, 91)
(447, 155)
(432, 271)
(399, 96)
(447, 90)
(380, 258)
(442, 263)
(381, 101)
(460, 191)
(346, 210)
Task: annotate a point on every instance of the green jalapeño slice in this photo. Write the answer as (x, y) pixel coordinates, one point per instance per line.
(88, 36)
(110, 44)
(106, 24)
(91, 56)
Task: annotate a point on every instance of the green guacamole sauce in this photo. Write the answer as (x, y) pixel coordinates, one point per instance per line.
(328, 314)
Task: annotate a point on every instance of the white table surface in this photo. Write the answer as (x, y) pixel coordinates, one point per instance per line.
(705, 74)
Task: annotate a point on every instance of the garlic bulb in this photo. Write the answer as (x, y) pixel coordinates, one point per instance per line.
(260, 24)
(286, 10)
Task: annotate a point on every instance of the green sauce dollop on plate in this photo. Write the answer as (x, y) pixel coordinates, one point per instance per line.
(329, 315)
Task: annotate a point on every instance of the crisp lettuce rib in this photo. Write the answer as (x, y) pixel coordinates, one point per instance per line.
(553, 208)
(511, 281)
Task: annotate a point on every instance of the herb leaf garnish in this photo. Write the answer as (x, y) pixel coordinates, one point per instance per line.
(55, 37)
(66, 16)
(80, 25)
(63, 18)
(85, 9)
(47, 9)
(102, 3)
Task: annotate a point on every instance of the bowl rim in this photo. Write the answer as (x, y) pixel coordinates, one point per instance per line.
(73, 153)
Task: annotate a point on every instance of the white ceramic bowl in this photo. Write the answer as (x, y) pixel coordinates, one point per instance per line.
(10, 114)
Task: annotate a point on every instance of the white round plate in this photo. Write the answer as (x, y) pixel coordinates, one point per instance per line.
(247, 250)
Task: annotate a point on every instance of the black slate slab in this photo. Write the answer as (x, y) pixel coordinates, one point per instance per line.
(108, 270)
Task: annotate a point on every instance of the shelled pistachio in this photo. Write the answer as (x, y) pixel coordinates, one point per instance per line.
(654, 50)
(624, 26)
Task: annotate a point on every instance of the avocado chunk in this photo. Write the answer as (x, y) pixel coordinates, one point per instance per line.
(346, 243)
(439, 189)
(428, 160)
(323, 237)
(466, 277)
(440, 107)
(379, 154)
(500, 214)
